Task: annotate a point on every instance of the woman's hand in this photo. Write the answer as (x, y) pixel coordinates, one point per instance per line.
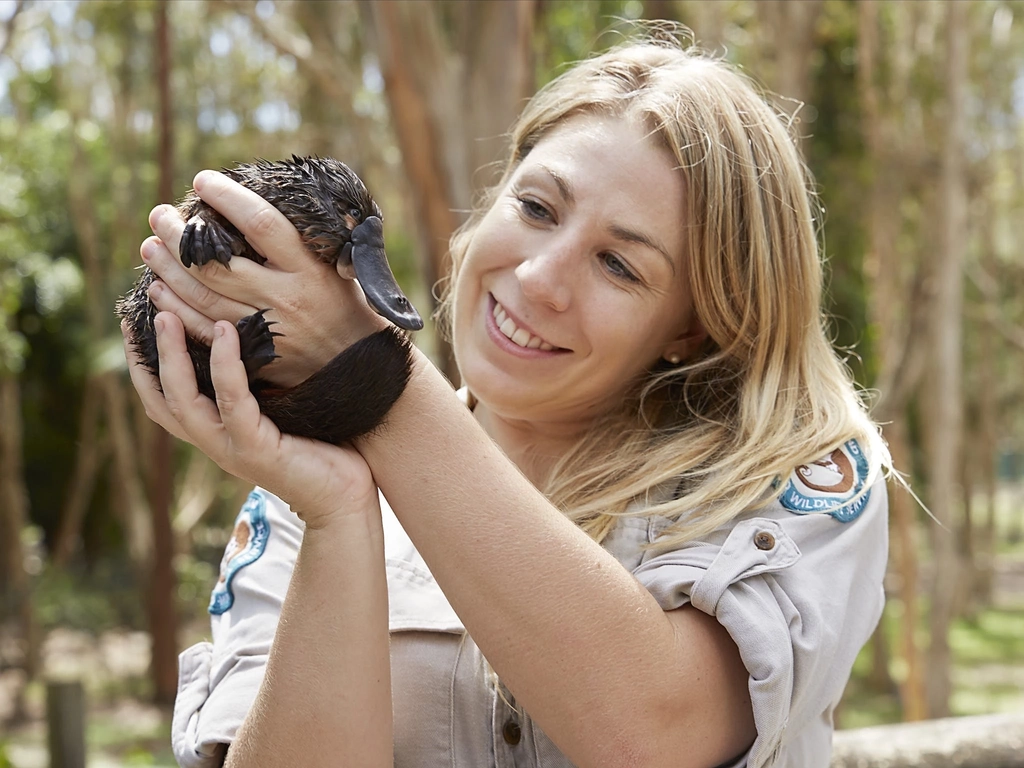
(319, 481)
(318, 312)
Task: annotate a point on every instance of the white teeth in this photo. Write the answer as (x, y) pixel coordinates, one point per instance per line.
(517, 335)
(521, 337)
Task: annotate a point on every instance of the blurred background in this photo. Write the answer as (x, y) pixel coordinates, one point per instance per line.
(910, 114)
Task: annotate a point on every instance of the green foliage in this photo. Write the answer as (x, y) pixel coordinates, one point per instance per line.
(138, 756)
(196, 574)
(573, 29)
(34, 266)
(103, 598)
(835, 152)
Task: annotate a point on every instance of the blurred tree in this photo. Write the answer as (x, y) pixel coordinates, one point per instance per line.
(708, 21)
(787, 42)
(992, 312)
(15, 597)
(898, 354)
(455, 75)
(943, 401)
(163, 618)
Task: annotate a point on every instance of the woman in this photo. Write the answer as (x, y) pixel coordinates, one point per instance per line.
(657, 534)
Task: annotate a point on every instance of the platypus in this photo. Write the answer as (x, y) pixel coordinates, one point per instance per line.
(340, 223)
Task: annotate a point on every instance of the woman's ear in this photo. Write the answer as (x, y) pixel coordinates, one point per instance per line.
(684, 346)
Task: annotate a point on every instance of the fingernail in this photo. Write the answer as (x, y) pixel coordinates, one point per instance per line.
(156, 290)
(218, 330)
(149, 249)
(158, 323)
(200, 180)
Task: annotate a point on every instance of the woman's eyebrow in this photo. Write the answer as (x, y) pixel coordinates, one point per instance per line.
(617, 231)
(632, 236)
(564, 187)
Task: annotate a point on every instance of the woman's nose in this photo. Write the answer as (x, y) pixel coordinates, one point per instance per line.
(547, 278)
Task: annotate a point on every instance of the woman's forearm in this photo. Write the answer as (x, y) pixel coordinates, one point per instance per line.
(553, 612)
(326, 697)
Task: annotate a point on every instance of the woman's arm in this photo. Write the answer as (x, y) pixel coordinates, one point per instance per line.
(610, 677)
(325, 699)
(326, 696)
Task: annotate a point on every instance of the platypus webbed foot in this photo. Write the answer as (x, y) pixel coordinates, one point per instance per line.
(256, 342)
(209, 237)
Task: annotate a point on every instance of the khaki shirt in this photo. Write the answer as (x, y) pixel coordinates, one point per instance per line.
(797, 584)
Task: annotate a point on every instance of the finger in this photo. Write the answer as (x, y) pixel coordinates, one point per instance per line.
(239, 411)
(265, 227)
(197, 325)
(167, 224)
(196, 413)
(146, 384)
(190, 286)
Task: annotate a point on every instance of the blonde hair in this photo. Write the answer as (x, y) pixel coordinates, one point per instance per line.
(766, 392)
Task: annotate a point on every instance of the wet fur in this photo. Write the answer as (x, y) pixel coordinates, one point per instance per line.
(353, 393)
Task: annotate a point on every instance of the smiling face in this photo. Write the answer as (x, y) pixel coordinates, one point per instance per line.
(573, 283)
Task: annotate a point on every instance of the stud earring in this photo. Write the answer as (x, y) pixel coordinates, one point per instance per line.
(674, 359)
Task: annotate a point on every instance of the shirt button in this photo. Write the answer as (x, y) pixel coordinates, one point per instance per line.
(512, 733)
(764, 540)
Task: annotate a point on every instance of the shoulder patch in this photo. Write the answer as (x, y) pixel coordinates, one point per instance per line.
(249, 539)
(829, 484)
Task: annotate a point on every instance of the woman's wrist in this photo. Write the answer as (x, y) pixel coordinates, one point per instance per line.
(348, 511)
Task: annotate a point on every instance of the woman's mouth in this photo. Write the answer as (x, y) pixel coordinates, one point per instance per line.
(520, 337)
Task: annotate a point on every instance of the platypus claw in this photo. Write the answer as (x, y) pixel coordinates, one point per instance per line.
(256, 343)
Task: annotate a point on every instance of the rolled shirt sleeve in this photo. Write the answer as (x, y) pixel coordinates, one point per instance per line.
(799, 593)
(218, 681)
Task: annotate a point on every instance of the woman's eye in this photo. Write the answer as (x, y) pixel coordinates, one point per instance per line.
(618, 268)
(533, 210)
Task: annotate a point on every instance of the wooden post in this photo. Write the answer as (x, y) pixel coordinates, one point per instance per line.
(65, 717)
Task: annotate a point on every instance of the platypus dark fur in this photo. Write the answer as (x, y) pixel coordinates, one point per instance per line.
(340, 223)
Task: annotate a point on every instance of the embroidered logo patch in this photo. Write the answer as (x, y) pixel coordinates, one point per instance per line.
(829, 484)
(249, 539)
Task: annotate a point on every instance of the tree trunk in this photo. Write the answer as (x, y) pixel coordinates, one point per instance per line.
(663, 9)
(788, 39)
(88, 458)
(904, 547)
(163, 616)
(132, 503)
(451, 101)
(988, 407)
(944, 404)
(965, 606)
(16, 590)
(880, 677)
(884, 287)
(707, 20)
